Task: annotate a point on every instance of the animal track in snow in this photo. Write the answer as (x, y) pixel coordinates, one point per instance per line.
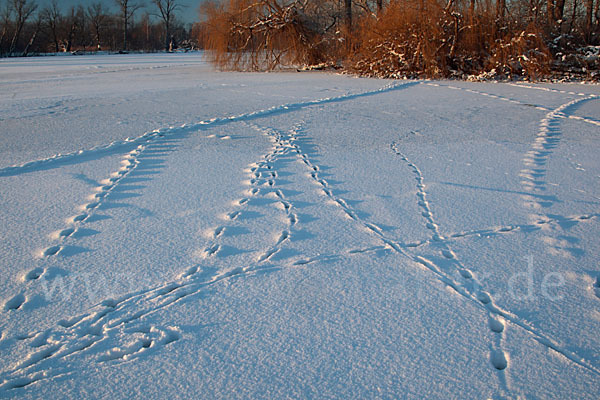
(470, 288)
(101, 193)
(15, 302)
(550, 90)
(267, 174)
(535, 168)
(150, 136)
(373, 227)
(484, 297)
(212, 250)
(233, 215)
(535, 226)
(262, 173)
(499, 360)
(285, 235)
(495, 96)
(267, 255)
(369, 250)
(597, 287)
(496, 325)
(448, 254)
(145, 339)
(63, 233)
(306, 261)
(421, 195)
(293, 219)
(218, 232)
(518, 102)
(34, 274)
(122, 352)
(79, 218)
(112, 325)
(52, 250)
(129, 162)
(464, 288)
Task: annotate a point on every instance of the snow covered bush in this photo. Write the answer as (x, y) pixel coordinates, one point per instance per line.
(521, 55)
(406, 39)
(442, 39)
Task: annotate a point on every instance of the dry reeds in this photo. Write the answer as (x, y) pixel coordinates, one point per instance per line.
(429, 38)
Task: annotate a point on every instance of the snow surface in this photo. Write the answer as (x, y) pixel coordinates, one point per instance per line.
(171, 231)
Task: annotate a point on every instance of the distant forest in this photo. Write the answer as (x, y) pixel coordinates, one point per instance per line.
(466, 39)
(26, 28)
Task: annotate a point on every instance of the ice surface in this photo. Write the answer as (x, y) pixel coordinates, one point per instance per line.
(172, 231)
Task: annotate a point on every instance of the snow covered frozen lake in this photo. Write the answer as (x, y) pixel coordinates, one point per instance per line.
(169, 231)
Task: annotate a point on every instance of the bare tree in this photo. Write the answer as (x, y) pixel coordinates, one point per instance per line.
(127, 9)
(23, 10)
(245, 34)
(67, 29)
(6, 18)
(98, 18)
(37, 26)
(597, 14)
(555, 10)
(74, 24)
(500, 14)
(348, 14)
(589, 13)
(573, 16)
(166, 9)
(559, 11)
(52, 18)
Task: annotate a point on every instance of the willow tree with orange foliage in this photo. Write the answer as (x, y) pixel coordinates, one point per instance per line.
(260, 35)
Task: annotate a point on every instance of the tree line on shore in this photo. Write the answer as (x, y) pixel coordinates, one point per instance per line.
(408, 38)
(472, 39)
(26, 28)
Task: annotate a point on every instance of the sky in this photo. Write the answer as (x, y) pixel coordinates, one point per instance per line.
(188, 13)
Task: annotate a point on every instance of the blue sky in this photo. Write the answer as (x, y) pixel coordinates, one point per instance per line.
(189, 13)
